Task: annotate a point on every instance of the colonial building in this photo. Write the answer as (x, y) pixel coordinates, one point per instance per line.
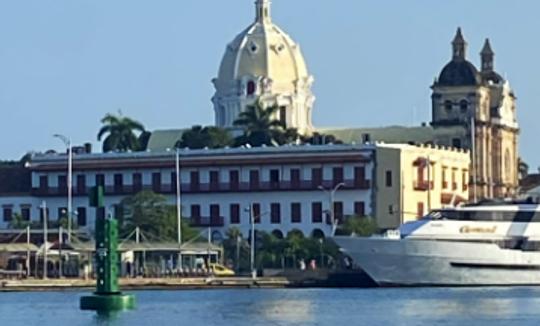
(483, 104)
(264, 64)
(300, 188)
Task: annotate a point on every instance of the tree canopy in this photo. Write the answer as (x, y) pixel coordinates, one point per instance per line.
(199, 137)
(153, 215)
(259, 126)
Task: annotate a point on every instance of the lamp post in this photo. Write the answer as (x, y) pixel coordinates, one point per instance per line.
(252, 218)
(331, 194)
(178, 207)
(67, 142)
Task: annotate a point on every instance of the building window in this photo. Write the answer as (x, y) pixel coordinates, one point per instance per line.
(275, 213)
(283, 115)
(81, 184)
(388, 179)
(234, 179)
(456, 142)
(81, 216)
(316, 212)
(194, 180)
(359, 208)
(195, 211)
(420, 210)
(274, 179)
(137, 182)
(316, 177)
(448, 106)
(444, 182)
(118, 183)
(214, 180)
(62, 182)
(100, 180)
(463, 106)
(173, 181)
(214, 211)
(156, 182)
(43, 183)
(8, 214)
(337, 175)
(254, 179)
(295, 179)
(296, 213)
(25, 213)
(338, 211)
(256, 212)
(251, 87)
(359, 176)
(235, 213)
(454, 181)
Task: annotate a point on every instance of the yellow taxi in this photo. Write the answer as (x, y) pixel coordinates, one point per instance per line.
(220, 270)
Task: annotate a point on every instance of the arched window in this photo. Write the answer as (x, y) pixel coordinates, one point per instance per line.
(317, 234)
(448, 106)
(463, 106)
(251, 88)
(278, 234)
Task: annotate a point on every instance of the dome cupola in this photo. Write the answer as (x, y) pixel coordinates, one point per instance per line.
(264, 63)
(459, 71)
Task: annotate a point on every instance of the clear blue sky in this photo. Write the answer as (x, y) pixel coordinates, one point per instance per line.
(64, 63)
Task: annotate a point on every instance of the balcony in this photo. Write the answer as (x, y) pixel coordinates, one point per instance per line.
(423, 185)
(204, 221)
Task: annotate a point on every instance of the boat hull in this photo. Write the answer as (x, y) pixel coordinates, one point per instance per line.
(412, 262)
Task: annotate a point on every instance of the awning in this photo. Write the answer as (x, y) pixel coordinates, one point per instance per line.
(17, 247)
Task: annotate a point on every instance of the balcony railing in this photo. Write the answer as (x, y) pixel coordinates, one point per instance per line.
(121, 190)
(423, 185)
(207, 221)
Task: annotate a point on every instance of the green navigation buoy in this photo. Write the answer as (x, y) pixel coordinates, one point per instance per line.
(107, 296)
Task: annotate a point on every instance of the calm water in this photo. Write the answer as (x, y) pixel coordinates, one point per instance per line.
(417, 306)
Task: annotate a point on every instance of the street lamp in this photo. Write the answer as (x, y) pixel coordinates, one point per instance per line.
(332, 193)
(67, 142)
(252, 247)
(178, 207)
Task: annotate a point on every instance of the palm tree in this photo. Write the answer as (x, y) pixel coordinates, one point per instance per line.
(120, 133)
(259, 125)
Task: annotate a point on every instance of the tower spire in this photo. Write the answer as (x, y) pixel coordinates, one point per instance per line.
(263, 11)
(487, 55)
(459, 46)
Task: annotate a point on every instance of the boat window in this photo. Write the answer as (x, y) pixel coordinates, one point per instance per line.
(494, 216)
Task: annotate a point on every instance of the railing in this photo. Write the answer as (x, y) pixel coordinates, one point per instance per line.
(306, 185)
(207, 221)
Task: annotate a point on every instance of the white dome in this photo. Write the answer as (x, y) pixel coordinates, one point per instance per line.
(263, 62)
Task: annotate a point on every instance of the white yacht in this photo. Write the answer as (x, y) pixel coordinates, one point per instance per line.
(489, 244)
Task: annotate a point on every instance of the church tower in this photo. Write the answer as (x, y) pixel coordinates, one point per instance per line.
(479, 108)
(264, 64)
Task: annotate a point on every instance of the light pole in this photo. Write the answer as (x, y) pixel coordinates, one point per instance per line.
(252, 218)
(67, 142)
(332, 193)
(178, 207)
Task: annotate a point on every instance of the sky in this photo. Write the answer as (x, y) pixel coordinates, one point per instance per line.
(64, 64)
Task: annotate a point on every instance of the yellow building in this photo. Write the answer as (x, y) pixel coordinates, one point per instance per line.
(412, 180)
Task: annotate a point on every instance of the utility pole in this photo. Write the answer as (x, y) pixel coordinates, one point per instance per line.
(252, 251)
(67, 142)
(331, 193)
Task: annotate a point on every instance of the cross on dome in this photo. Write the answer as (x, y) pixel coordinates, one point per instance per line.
(263, 11)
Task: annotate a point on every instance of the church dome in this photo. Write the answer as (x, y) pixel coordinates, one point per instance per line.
(459, 73)
(263, 64)
(263, 50)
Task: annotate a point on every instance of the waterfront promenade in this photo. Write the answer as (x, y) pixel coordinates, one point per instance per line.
(147, 283)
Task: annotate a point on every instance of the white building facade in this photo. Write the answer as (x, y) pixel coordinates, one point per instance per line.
(283, 185)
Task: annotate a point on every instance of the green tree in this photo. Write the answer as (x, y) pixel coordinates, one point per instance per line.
(358, 225)
(259, 126)
(17, 222)
(120, 133)
(151, 213)
(199, 137)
